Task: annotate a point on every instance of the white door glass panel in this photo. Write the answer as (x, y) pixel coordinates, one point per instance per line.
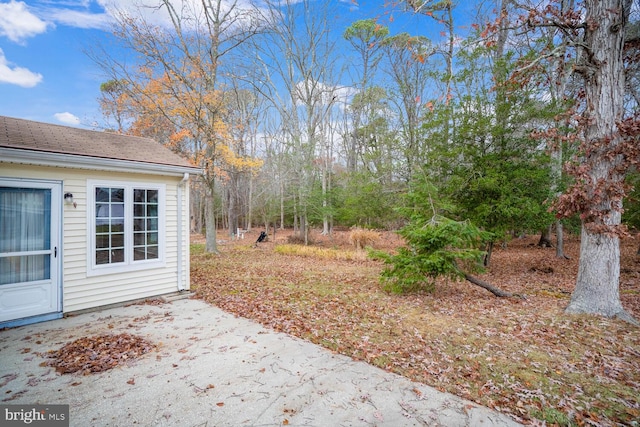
(28, 250)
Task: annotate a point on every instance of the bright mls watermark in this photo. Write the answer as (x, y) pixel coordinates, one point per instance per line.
(34, 415)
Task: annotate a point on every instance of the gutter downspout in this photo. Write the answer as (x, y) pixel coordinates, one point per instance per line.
(181, 286)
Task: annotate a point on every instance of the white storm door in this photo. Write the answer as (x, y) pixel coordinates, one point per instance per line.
(29, 248)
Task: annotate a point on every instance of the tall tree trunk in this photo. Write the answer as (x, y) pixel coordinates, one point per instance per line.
(486, 261)
(560, 240)
(597, 289)
(210, 214)
(326, 230)
(281, 204)
(601, 65)
(249, 223)
(545, 238)
(232, 213)
(561, 73)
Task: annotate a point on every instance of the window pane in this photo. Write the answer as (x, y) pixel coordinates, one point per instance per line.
(138, 224)
(117, 225)
(24, 219)
(152, 196)
(152, 238)
(139, 254)
(138, 239)
(24, 268)
(138, 210)
(117, 255)
(102, 194)
(117, 210)
(102, 257)
(102, 241)
(146, 218)
(117, 240)
(117, 195)
(138, 196)
(109, 225)
(152, 252)
(102, 210)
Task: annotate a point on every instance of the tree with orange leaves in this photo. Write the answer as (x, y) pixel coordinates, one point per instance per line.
(174, 87)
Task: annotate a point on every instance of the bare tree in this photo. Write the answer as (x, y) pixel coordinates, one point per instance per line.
(408, 66)
(180, 60)
(297, 54)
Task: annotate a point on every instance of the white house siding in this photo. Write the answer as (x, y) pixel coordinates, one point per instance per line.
(82, 292)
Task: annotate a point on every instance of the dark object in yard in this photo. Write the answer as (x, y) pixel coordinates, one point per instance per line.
(261, 237)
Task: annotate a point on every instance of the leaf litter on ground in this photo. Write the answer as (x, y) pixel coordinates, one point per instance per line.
(98, 353)
(525, 358)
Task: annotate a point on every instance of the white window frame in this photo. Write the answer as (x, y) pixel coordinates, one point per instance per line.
(129, 264)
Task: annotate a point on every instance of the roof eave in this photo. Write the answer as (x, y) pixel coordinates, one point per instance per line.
(42, 158)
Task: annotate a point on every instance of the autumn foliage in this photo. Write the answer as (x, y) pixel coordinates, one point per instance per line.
(93, 354)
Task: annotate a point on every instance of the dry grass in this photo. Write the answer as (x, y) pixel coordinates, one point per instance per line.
(321, 253)
(523, 357)
(361, 238)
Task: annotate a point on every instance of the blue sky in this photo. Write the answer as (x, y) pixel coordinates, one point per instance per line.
(45, 76)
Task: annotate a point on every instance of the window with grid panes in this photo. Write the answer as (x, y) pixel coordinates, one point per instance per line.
(126, 226)
(145, 224)
(109, 223)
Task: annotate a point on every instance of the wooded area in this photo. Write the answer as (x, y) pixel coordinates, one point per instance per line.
(523, 120)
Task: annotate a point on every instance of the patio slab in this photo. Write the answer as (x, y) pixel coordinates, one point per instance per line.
(214, 369)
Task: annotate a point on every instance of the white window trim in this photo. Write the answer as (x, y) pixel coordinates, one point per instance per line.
(129, 264)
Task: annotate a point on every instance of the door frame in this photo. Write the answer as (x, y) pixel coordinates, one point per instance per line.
(56, 224)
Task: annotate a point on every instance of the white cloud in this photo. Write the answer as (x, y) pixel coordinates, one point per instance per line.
(67, 118)
(79, 19)
(18, 23)
(17, 75)
(155, 12)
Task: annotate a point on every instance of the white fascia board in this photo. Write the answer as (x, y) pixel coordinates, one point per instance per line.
(42, 158)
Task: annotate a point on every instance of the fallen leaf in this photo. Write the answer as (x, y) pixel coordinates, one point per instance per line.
(97, 353)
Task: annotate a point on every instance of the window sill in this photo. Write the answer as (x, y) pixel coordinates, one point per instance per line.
(124, 268)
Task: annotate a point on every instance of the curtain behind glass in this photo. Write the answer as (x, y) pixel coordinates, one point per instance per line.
(25, 225)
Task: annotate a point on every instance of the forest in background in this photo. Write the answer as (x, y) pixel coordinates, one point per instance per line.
(308, 124)
(501, 121)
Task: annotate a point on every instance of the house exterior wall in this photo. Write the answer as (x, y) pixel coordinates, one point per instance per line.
(82, 291)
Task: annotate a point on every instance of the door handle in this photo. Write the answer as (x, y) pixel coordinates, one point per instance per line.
(55, 252)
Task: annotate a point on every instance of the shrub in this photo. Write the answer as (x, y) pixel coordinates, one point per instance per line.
(361, 238)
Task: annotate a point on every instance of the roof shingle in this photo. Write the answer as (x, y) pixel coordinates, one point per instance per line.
(45, 137)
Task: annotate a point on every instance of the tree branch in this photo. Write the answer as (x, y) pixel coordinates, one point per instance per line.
(495, 291)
